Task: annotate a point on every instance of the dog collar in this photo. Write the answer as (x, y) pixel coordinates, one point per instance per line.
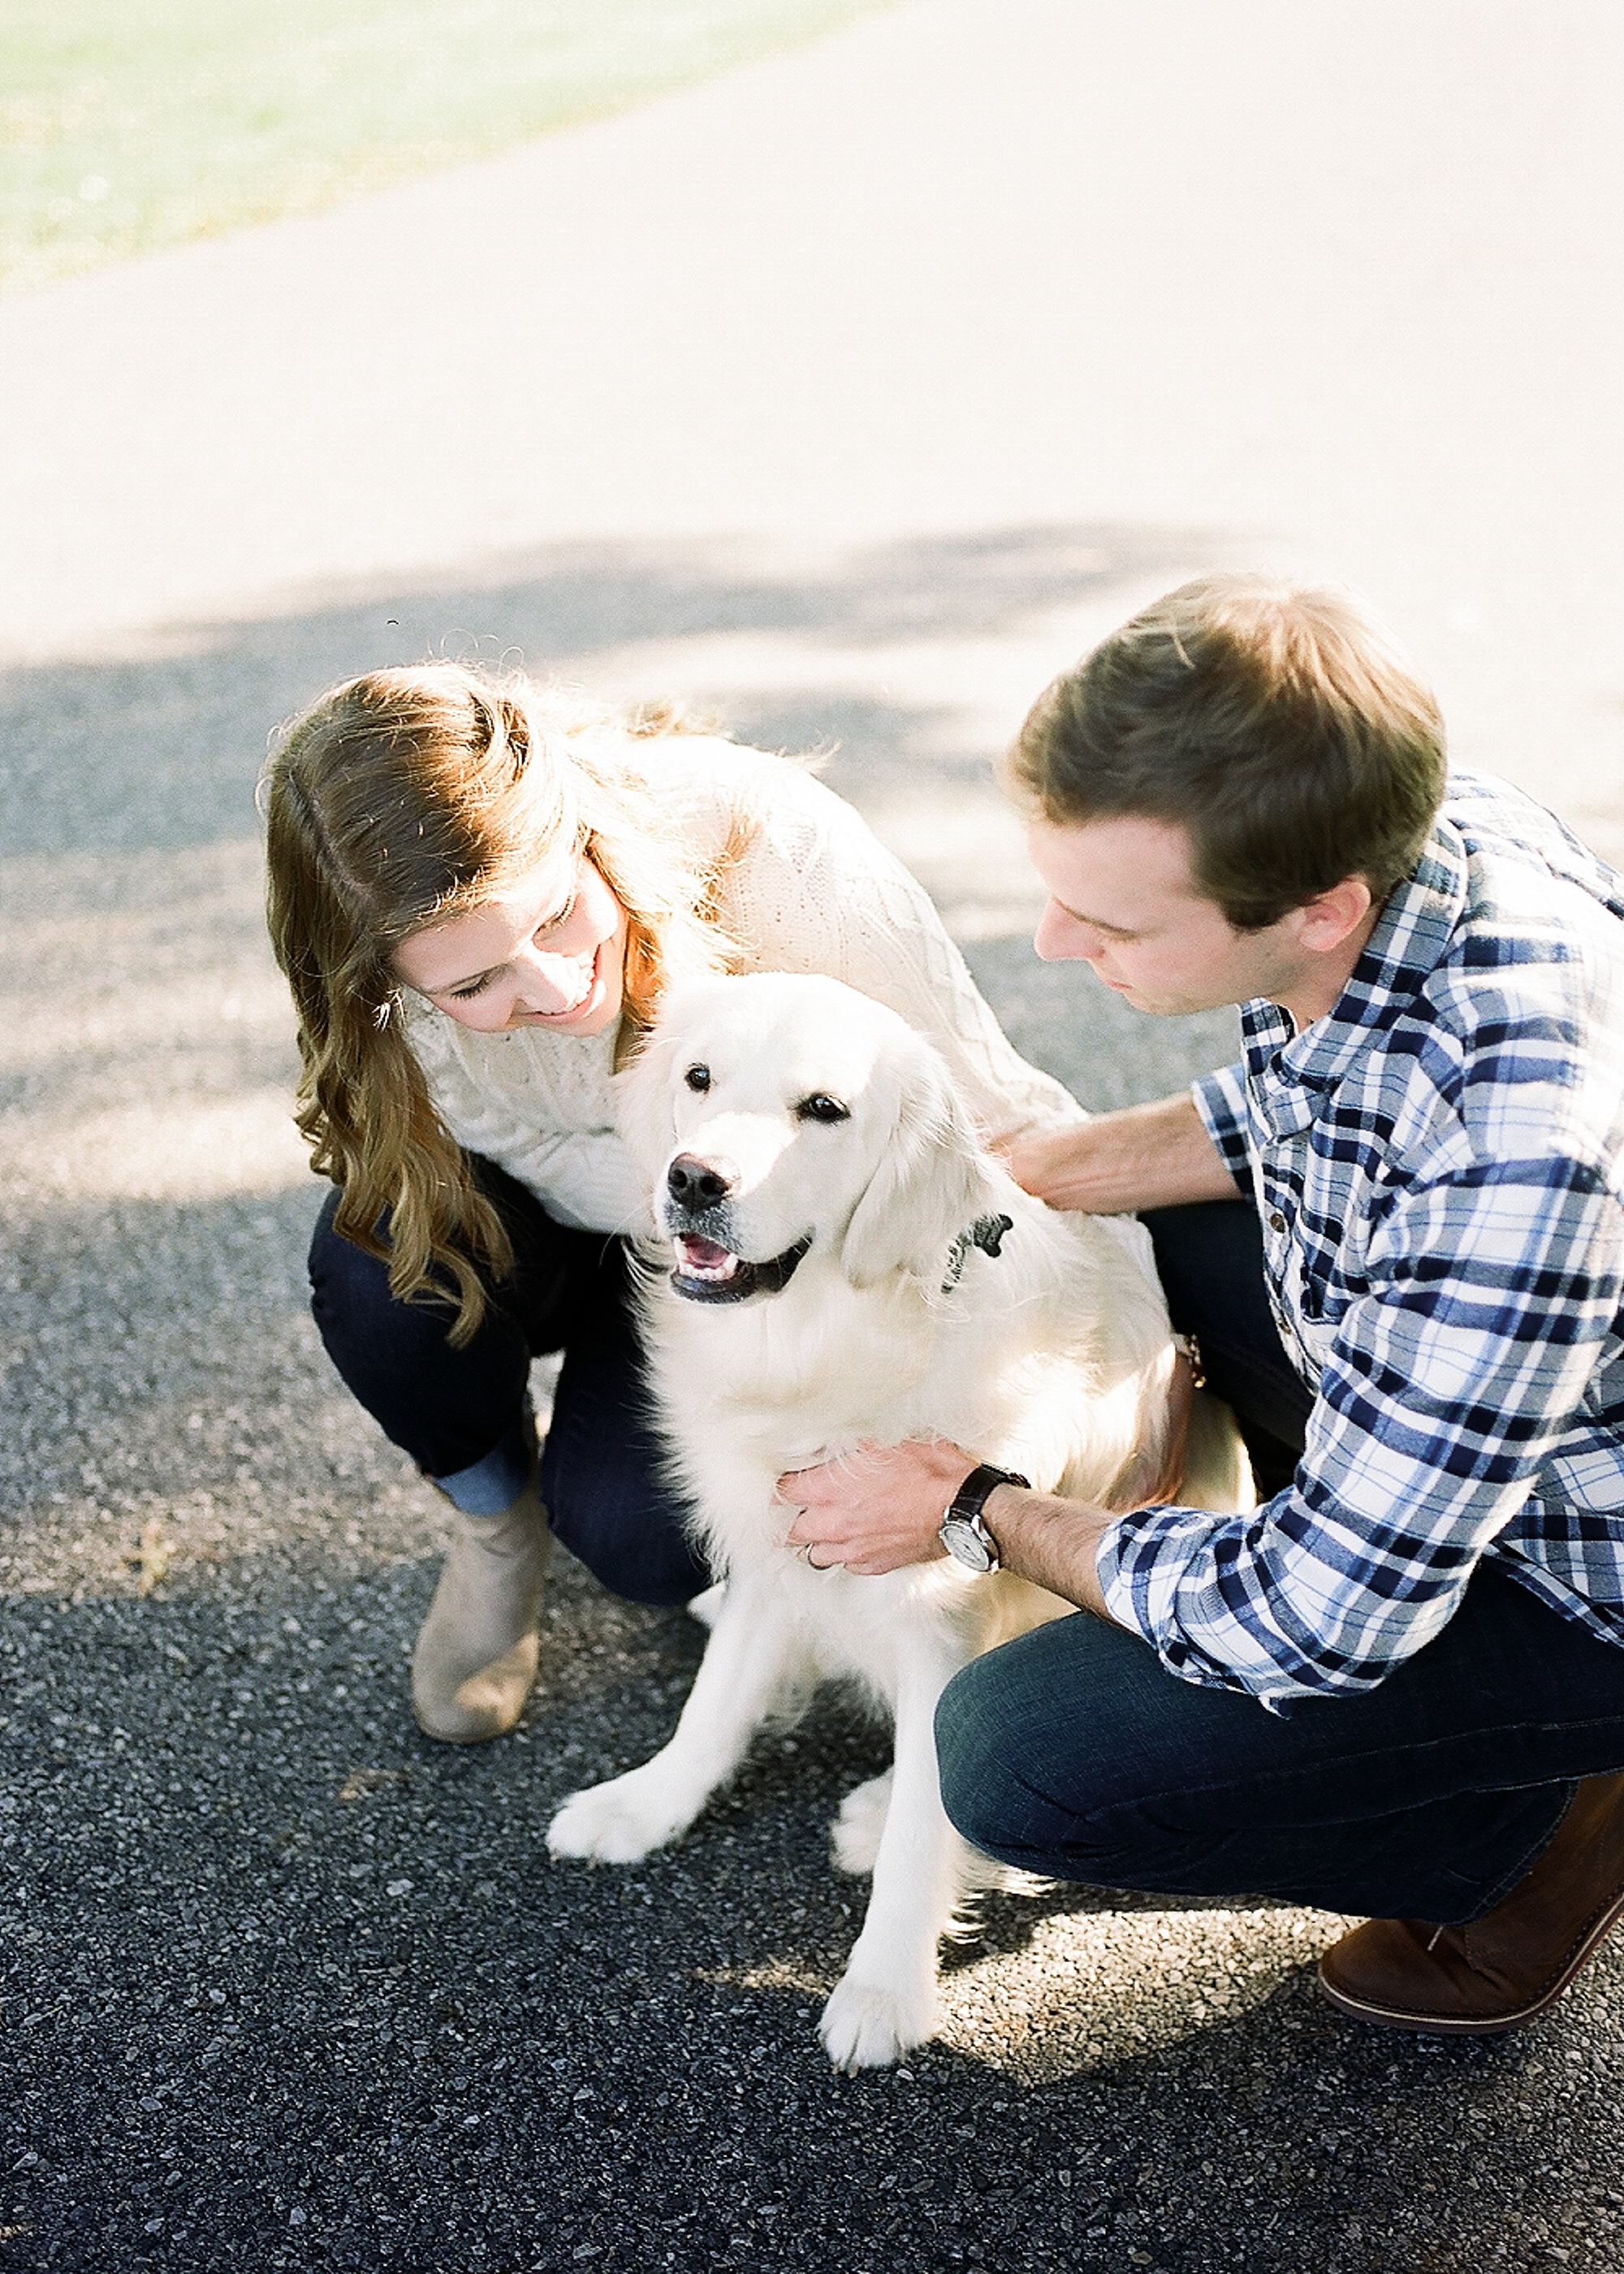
(987, 1233)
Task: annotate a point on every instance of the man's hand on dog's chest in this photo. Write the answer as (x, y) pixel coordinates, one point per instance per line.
(877, 1508)
(881, 1507)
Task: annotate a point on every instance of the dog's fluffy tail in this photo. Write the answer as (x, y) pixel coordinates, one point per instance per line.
(982, 1877)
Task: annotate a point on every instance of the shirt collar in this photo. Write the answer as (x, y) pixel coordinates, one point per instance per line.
(1288, 1072)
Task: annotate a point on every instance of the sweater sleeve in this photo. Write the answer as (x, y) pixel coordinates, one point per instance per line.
(816, 890)
(584, 1180)
(542, 1115)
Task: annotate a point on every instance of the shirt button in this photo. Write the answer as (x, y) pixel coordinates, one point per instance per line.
(1277, 1223)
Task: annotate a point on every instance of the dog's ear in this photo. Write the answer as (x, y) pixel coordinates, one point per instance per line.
(931, 1184)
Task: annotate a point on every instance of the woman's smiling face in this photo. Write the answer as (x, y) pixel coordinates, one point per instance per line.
(550, 952)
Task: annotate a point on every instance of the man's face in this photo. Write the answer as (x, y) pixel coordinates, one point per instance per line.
(1122, 899)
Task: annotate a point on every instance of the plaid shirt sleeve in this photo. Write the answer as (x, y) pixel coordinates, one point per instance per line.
(1490, 1304)
(1220, 1101)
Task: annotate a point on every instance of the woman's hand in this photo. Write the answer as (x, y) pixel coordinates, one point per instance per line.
(877, 1508)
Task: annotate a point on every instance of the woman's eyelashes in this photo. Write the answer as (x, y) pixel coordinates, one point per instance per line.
(554, 924)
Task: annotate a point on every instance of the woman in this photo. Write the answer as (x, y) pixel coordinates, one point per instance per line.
(479, 889)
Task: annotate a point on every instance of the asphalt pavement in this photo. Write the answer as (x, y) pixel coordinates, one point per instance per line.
(852, 395)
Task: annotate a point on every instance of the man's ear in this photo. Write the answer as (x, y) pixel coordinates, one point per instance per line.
(930, 1184)
(1330, 918)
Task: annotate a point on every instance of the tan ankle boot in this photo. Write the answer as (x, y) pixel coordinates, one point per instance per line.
(1507, 1967)
(477, 1650)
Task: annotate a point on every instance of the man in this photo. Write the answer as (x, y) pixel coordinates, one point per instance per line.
(1396, 1688)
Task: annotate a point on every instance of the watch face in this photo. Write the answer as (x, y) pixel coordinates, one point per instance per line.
(961, 1540)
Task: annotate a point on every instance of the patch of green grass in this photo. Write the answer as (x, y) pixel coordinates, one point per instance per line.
(128, 124)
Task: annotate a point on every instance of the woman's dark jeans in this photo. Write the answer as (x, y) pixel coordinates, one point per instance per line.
(1073, 1752)
(456, 1411)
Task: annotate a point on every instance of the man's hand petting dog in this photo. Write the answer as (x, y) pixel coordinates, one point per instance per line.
(882, 1507)
(877, 1508)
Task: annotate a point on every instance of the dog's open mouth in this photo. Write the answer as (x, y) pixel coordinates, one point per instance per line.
(707, 1272)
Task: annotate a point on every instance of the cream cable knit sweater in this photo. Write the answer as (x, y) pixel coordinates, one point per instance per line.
(814, 889)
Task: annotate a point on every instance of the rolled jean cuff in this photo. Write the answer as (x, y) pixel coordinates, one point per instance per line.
(495, 1483)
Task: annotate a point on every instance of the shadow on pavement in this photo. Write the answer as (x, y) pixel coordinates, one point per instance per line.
(164, 750)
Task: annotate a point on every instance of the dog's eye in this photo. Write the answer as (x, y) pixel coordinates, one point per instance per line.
(698, 1077)
(821, 1107)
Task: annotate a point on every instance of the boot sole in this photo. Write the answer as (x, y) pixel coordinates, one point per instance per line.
(1448, 2025)
(466, 1737)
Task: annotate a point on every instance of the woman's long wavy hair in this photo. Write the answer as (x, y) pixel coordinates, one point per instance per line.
(409, 797)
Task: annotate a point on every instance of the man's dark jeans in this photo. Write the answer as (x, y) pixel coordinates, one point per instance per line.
(600, 1473)
(1073, 1752)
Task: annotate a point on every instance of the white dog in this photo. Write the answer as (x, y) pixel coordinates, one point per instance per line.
(851, 1264)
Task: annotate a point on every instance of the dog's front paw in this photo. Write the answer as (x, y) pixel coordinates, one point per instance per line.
(619, 1822)
(855, 1836)
(866, 2026)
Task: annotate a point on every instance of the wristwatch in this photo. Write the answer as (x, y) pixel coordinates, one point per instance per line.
(962, 1533)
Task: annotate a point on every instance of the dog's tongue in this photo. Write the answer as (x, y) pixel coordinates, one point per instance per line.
(704, 1255)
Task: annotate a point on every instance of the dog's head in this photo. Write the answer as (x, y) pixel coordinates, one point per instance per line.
(779, 1117)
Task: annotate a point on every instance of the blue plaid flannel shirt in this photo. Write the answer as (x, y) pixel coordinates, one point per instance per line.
(1437, 1165)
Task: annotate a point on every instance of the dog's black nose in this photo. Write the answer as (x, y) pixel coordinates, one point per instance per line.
(696, 1185)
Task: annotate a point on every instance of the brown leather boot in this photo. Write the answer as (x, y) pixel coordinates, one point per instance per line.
(477, 1650)
(1504, 1969)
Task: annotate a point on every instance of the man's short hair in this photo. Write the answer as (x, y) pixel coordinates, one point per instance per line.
(1280, 723)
